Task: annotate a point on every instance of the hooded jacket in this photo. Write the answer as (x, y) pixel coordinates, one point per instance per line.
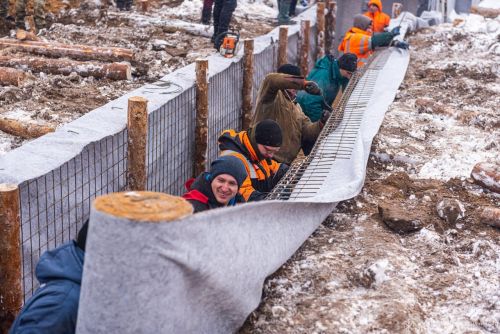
(326, 74)
(380, 19)
(54, 306)
(201, 196)
(357, 41)
(263, 174)
(273, 104)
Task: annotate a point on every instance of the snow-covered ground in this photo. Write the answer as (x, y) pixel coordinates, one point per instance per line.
(354, 274)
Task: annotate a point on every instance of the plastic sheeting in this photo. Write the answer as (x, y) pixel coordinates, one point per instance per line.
(204, 274)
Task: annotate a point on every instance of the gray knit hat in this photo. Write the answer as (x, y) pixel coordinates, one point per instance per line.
(362, 22)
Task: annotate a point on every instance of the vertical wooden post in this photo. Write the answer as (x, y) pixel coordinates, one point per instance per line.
(201, 131)
(397, 8)
(305, 28)
(11, 293)
(144, 5)
(31, 24)
(283, 46)
(246, 109)
(320, 37)
(331, 7)
(137, 126)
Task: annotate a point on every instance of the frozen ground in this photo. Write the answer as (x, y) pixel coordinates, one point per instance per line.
(55, 99)
(354, 274)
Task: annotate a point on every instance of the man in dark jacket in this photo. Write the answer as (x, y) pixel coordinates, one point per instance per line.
(223, 11)
(332, 76)
(54, 306)
(218, 187)
(256, 148)
(276, 101)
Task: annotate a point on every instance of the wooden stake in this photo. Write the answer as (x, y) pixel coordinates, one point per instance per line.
(201, 131)
(397, 8)
(144, 4)
(58, 50)
(246, 108)
(137, 126)
(24, 130)
(31, 24)
(320, 37)
(11, 293)
(305, 28)
(11, 76)
(283, 46)
(331, 7)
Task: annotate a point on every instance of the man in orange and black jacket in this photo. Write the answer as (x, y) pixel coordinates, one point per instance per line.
(256, 148)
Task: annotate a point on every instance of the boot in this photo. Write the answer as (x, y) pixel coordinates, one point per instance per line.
(284, 9)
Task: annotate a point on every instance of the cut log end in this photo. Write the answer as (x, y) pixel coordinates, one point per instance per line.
(144, 206)
(24, 35)
(10, 76)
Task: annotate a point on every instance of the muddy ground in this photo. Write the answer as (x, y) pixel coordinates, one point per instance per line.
(355, 274)
(56, 99)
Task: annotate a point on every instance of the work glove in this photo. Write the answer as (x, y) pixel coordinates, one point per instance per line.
(312, 88)
(325, 116)
(395, 31)
(279, 174)
(401, 44)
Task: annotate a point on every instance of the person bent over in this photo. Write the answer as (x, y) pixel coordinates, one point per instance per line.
(218, 187)
(276, 101)
(256, 148)
(53, 308)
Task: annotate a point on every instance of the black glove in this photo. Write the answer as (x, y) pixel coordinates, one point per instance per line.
(325, 116)
(312, 88)
(401, 44)
(279, 174)
(395, 31)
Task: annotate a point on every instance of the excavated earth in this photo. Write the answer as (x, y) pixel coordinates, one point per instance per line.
(357, 275)
(56, 99)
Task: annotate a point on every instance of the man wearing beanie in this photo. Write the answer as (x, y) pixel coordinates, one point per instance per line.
(218, 187)
(255, 148)
(360, 41)
(276, 101)
(332, 76)
(53, 308)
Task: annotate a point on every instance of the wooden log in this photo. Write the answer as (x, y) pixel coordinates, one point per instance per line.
(487, 175)
(201, 129)
(305, 28)
(486, 12)
(11, 76)
(23, 130)
(397, 8)
(137, 128)
(57, 50)
(283, 46)
(11, 293)
(113, 71)
(144, 5)
(320, 34)
(248, 70)
(330, 26)
(24, 35)
(490, 216)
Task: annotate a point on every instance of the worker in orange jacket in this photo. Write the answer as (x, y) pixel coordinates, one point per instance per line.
(380, 20)
(256, 148)
(360, 40)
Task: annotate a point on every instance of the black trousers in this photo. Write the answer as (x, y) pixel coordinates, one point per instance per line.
(223, 11)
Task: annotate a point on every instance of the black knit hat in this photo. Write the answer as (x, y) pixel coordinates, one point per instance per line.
(268, 133)
(289, 69)
(81, 239)
(229, 165)
(348, 62)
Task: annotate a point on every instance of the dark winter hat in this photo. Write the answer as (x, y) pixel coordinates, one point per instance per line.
(289, 69)
(362, 22)
(268, 133)
(81, 239)
(229, 165)
(348, 62)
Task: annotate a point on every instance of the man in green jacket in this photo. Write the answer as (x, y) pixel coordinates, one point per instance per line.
(330, 74)
(276, 101)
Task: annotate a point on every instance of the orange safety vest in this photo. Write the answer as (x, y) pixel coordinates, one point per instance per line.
(357, 41)
(380, 19)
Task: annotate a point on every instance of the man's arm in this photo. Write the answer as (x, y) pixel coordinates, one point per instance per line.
(275, 82)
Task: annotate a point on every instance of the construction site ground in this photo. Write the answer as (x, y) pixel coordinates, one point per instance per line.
(160, 45)
(356, 275)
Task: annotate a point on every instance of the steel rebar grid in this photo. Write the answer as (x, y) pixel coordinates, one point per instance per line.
(337, 138)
